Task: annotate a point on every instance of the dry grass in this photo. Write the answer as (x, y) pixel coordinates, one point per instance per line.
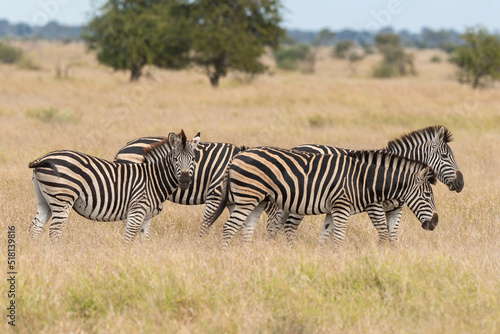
(446, 281)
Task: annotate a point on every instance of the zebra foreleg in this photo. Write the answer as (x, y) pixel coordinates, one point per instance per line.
(291, 227)
(144, 230)
(336, 223)
(135, 219)
(235, 222)
(377, 216)
(393, 218)
(251, 222)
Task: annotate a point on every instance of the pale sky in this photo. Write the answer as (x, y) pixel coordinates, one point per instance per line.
(303, 14)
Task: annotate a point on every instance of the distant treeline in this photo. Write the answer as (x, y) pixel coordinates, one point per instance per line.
(426, 38)
(52, 30)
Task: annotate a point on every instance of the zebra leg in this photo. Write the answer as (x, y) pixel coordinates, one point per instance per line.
(60, 213)
(377, 216)
(275, 219)
(291, 226)
(235, 222)
(212, 203)
(144, 230)
(393, 218)
(135, 218)
(251, 222)
(336, 222)
(43, 213)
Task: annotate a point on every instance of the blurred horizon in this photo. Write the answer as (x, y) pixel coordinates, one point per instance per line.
(313, 15)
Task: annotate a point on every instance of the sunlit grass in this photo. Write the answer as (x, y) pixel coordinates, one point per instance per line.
(442, 281)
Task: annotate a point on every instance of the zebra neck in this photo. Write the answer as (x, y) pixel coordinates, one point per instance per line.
(413, 150)
(162, 179)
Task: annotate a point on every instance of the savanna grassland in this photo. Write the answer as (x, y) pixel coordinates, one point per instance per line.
(445, 281)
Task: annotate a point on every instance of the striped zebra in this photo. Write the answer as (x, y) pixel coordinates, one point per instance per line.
(428, 145)
(106, 191)
(206, 187)
(311, 184)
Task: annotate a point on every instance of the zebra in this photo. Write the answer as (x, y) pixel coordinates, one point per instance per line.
(206, 186)
(311, 184)
(428, 145)
(107, 191)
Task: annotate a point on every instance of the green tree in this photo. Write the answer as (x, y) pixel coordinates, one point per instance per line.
(479, 58)
(130, 34)
(233, 35)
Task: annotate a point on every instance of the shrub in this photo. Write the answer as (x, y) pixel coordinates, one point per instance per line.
(435, 59)
(290, 58)
(49, 115)
(10, 54)
(341, 49)
(385, 70)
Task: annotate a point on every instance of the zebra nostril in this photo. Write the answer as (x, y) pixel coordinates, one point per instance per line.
(459, 182)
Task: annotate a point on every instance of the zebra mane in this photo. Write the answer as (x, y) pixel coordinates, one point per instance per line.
(428, 132)
(372, 157)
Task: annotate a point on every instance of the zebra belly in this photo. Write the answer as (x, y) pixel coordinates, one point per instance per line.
(84, 210)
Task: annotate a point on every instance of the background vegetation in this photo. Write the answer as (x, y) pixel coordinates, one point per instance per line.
(446, 281)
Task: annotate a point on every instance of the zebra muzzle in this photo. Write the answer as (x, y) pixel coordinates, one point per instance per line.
(458, 182)
(184, 180)
(430, 225)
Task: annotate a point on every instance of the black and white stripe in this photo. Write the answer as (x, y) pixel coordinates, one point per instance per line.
(428, 145)
(211, 160)
(311, 184)
(107, 191)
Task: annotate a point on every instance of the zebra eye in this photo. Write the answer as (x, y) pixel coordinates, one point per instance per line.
(427, 193)
(444, 156)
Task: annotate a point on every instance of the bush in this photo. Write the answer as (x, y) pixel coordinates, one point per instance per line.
(385, 70)
(9, 54)
(290, 58)
(435, 59)
(341, 49)
(27, 63)
(49, 115)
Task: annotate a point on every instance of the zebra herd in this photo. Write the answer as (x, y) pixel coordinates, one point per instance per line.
(286, 183)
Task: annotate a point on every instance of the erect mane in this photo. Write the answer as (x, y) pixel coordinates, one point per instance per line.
(428, 132)
(372, 155)
(155, 146)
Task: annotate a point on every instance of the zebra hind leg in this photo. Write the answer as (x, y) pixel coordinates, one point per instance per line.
(43, 213)
(60, 213)
(251, 222)
(291, 227)
(276, 219)
(211, 205)
(235, 222)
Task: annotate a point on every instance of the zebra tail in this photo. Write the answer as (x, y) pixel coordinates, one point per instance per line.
(223, 203)
(44, 163)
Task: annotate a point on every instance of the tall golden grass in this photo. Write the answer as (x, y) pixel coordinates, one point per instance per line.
(444, 281)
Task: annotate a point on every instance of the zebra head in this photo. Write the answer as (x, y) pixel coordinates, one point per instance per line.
(420, 199)
(183, 157)
(443, 162)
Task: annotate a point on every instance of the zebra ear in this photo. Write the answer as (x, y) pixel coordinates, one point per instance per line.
(196, 140)
(172, 139)
(439, 138)
(423, 175)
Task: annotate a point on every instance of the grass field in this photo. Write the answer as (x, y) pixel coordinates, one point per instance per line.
(445, 281)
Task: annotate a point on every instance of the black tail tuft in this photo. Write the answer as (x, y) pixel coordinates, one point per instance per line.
(44, 163)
